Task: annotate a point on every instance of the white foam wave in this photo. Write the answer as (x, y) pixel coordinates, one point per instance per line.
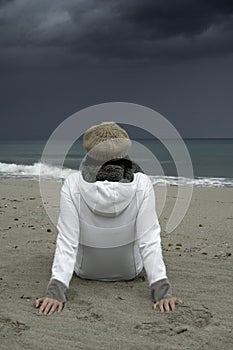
(42, 171)
(197, 182)
(45, 171)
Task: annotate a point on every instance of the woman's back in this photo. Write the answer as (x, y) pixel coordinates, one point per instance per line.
(107, 214)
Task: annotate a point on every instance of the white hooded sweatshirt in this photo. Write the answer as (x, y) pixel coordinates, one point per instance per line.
(108, 231)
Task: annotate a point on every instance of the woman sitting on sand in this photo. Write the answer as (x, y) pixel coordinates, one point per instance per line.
(108, 229)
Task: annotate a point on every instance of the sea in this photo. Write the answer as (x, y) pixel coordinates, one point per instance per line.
(211, 161)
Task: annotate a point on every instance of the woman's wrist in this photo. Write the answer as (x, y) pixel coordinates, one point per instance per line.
(56, 290)
(161, 289)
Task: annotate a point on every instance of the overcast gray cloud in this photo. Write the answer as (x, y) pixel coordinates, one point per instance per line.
(116, 30)
(174, 56)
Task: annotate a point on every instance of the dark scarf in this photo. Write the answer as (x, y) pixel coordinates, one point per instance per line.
(117, 170)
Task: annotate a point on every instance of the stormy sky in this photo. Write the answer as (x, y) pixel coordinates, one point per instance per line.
(57, 57)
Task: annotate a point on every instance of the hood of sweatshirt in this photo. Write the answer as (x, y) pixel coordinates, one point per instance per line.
(107, 198)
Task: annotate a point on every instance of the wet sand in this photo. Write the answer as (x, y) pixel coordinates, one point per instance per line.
(118, 315)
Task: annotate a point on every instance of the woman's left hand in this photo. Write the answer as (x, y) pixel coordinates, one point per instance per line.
(48, 306)
(167, 304)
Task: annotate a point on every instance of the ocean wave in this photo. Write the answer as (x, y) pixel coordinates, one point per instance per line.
(196, 182)
(34, 171)
(40, 171)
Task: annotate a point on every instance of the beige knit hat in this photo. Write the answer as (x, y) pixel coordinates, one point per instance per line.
(106, 141)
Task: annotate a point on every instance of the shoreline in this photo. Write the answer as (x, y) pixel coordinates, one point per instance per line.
(195, 182)
(118, 315)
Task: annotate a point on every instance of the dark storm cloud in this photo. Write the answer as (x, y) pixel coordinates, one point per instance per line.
(115, 30)
(5, 2)
(183, 17)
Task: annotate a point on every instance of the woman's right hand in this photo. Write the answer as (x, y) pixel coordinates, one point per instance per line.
(47, 306)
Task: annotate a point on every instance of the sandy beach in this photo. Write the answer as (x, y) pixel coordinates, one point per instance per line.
(118, 315)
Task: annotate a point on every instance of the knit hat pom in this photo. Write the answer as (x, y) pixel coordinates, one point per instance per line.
(106, 141)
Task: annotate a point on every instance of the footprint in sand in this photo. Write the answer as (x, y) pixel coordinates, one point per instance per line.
(177, 322)
(84, 312)
(8, 326)
(90, 317)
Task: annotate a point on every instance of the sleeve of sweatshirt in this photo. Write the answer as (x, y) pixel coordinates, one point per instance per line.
(66, 246)
(149, 242)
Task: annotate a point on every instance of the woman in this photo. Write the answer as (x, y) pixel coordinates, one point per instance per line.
(107, 228)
